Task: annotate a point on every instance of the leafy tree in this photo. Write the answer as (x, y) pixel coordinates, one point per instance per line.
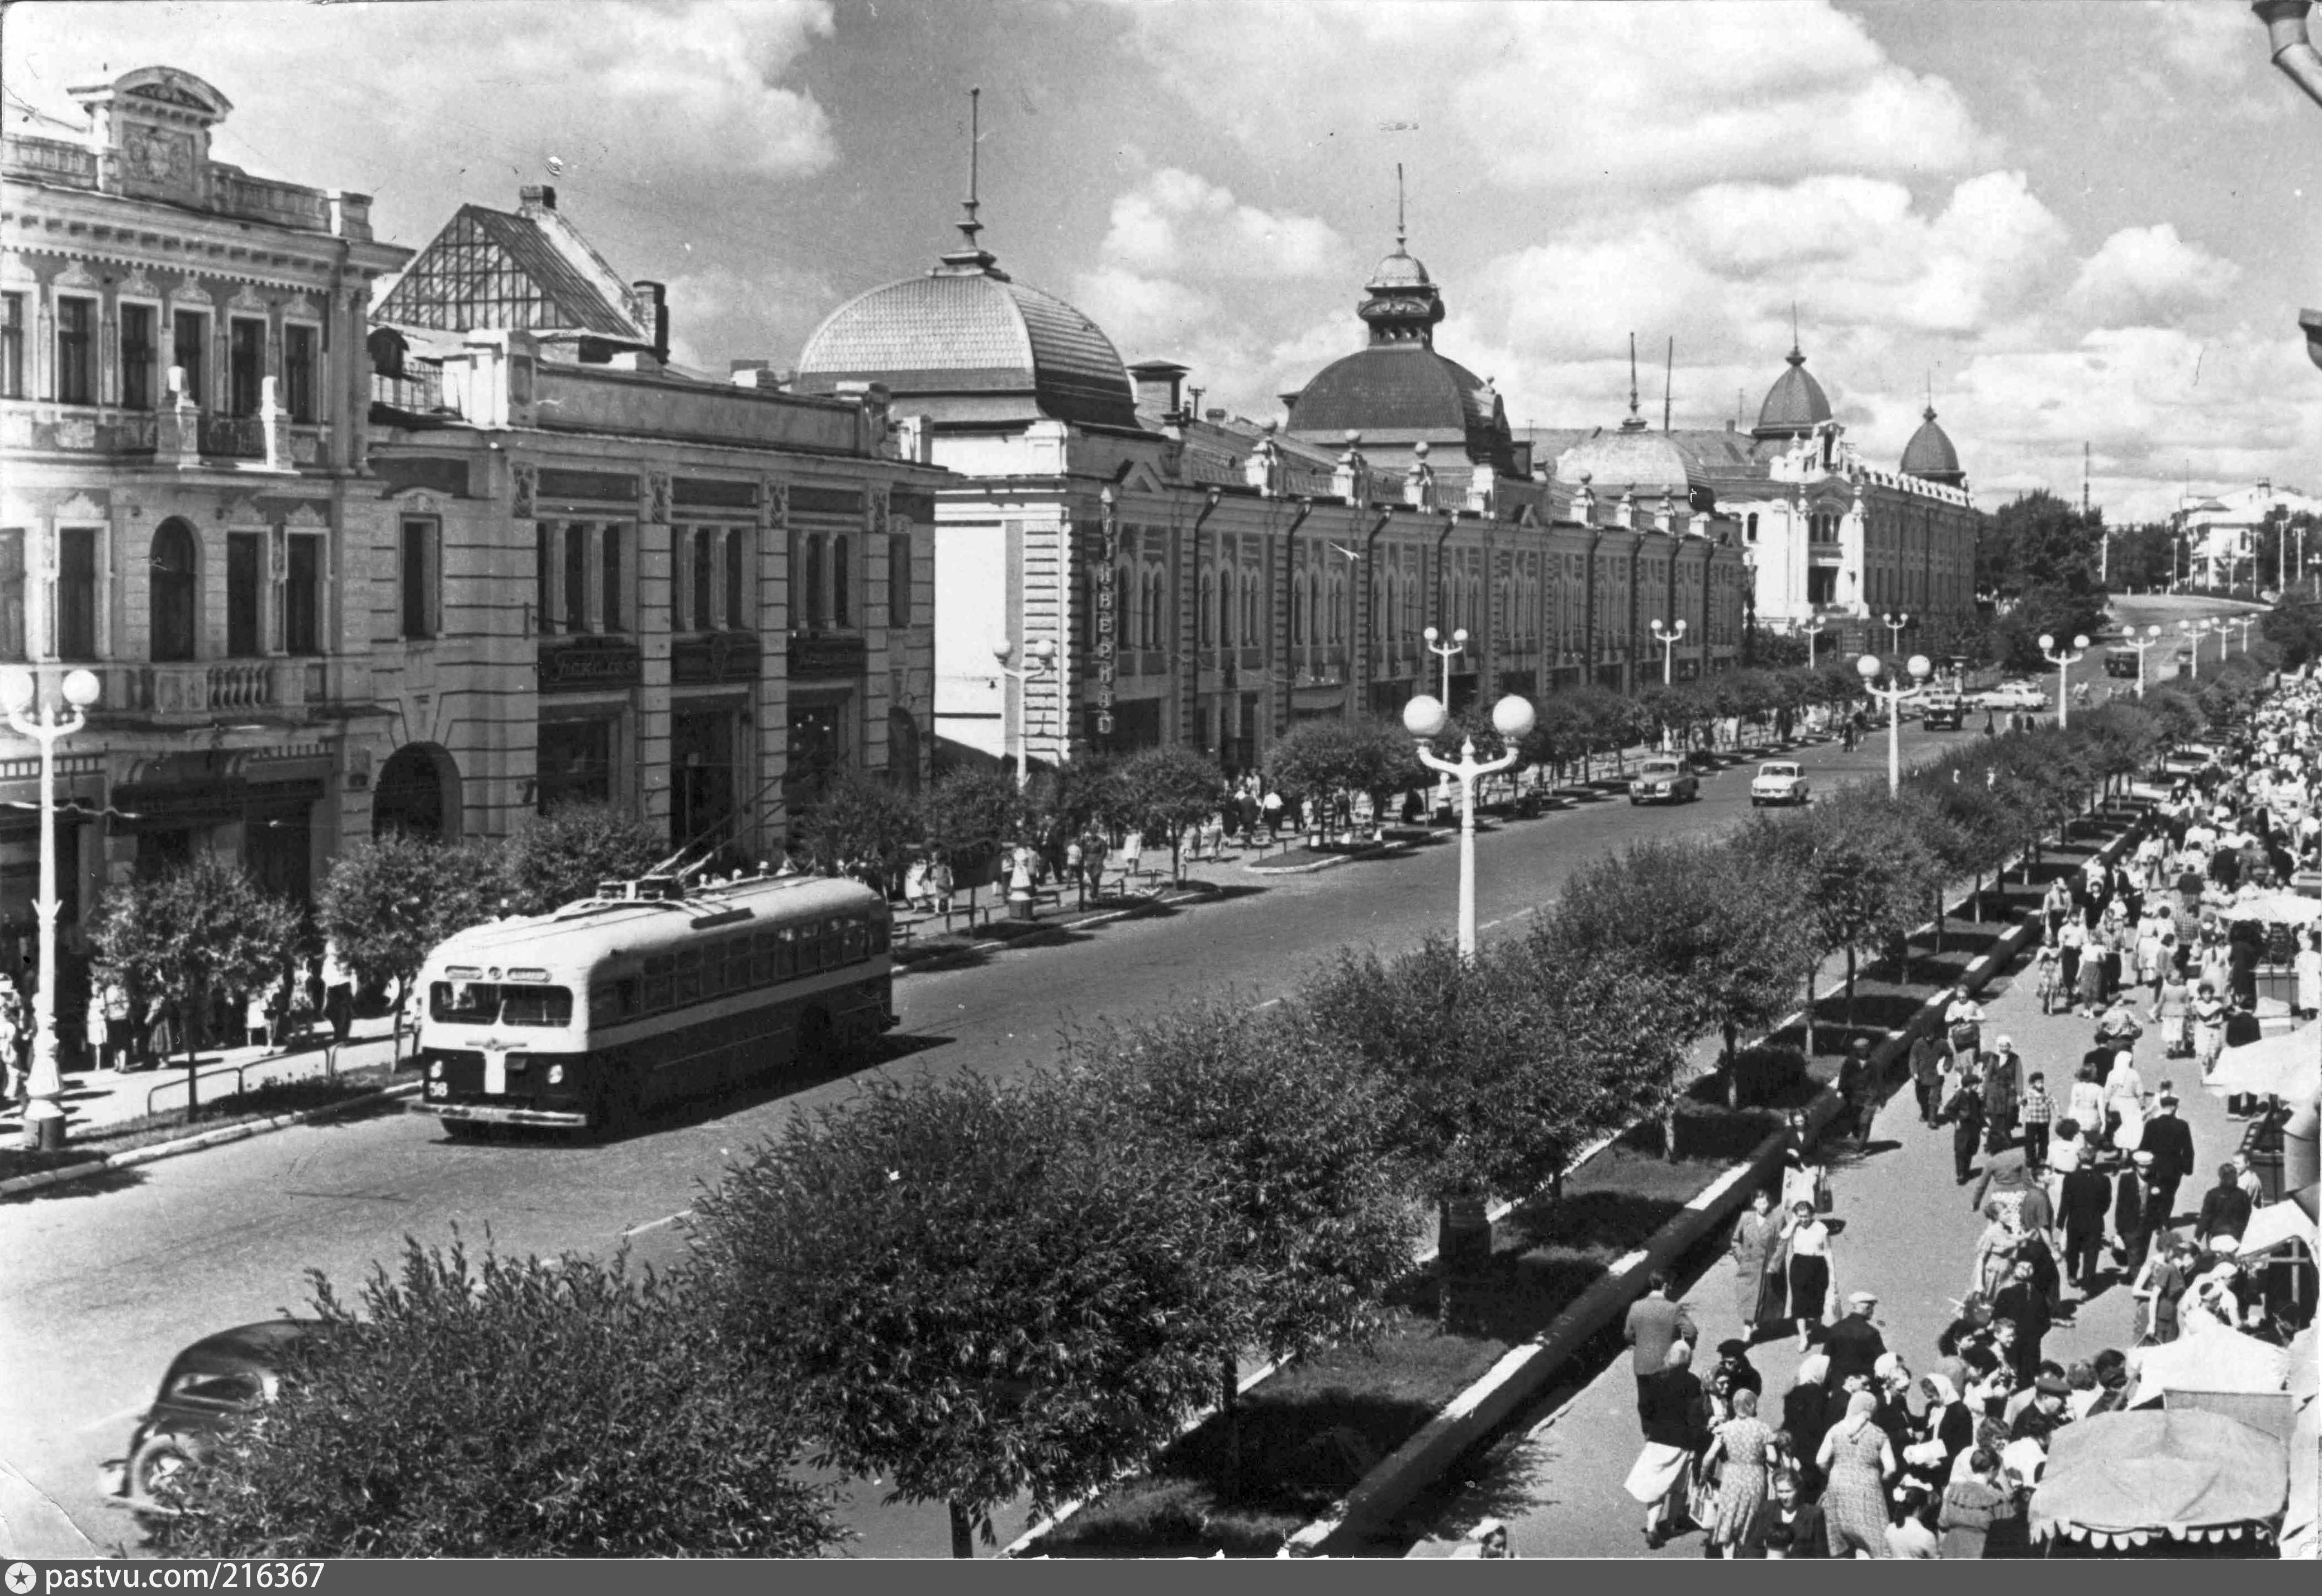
(1559, 734)
(1296, 1142)
(1722, 934)
(1076, 799)
(190, 935)
(2040, 541)
(862, 824)
(562, 856)
(975, 1290)
(390, 902)
(2296, 629)
(969, 813)
(1772, 651)
(1163, 791)
(519, 1409)
(2047, 612)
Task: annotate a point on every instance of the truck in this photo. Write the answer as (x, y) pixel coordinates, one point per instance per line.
(2121, 661)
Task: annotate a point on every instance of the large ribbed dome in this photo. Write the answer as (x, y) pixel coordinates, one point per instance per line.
(1796, 404)
(1393, 388)
(967, 329)
(1929, 455)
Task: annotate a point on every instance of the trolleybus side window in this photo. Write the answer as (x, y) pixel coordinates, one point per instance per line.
(660, 982)
(786, 953)
(762, 957)
(738, 965)
(852, 940)
(809, 949)
(613, 1001)
(689, 976)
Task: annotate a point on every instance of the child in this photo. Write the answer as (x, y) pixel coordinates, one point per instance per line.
(2045, 962)
(2036, 1112)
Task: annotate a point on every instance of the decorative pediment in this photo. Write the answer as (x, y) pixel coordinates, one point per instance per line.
(423, 501)
(80, 509)
(308, 516)
(76, 274)
(245, 298)
(137, 286)
(1141, 479)
(190, 293)
(298, 305)
(168, 94)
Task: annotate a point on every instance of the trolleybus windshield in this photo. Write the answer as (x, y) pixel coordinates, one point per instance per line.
(485, 1003)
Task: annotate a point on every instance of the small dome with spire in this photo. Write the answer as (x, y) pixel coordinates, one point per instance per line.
(1929, 455)
(1400, 269)
(1795, 405)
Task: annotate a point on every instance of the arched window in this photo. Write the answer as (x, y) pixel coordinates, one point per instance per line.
(1297, 610)
(842, 573)
(1225, 607)
(171, 590)
(1316, 622)
(738, 580)
(1204, 632)
(1253, 608)
(1338, 608)
(704, 573)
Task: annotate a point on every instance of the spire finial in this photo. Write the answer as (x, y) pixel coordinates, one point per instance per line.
(1636, 421)
(1668, 382)
(971, 227)
(1400, 233)
(1931, 394)
(1794, 328)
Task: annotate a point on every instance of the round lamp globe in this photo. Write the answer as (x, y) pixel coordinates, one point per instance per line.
(1869, 667)
(1424, 717)
(81, 688)
(1512, 718)
(1921, 666)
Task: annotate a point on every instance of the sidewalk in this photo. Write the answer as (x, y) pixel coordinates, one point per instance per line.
(1905, 1232)
(96, 1098)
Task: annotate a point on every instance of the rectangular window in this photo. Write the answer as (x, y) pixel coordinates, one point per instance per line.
(611, 555)
(137, 357)
(243, 552)
(659, 982)
(246, 360)
(189, 340)
(12, 346)
(705, 570)
(763, 949)
(76, 593)
(302, 598)
(417, 565)
(576, 577)
(899, 580)
(786, 954)
(76, 368)
(299, 370)
(12, 593)
(737, 589)
(544, 563)
(689, 976)
(575, 762)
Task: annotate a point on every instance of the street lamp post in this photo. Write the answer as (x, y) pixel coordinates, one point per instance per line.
(1871, 668)
(2245, 622)
(1424, 718)
(1445, 651)
(1895, 627)
(2063, 662)
(44, 1112)
(1038, 656)
(1667, 637)
(2151, 636)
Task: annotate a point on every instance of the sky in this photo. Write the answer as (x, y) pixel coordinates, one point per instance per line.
(2078, 225)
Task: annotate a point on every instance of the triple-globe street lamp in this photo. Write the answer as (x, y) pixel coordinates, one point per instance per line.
(41, 717)
(1424, 718)
(1039, 655)
(1871, 668)
(2063, 662)
(2151, 637)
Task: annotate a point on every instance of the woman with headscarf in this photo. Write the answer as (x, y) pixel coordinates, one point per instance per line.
(1858, 1463)
(1739, 1451)
(1945, 1430)
(1756, 1250)
(1995, 1257)
(1671, 1406)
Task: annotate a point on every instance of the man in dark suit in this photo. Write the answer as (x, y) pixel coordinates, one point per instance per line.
(1655, 1321)
(2224, 1206)
(2023, 1300)
(1853, 1343)
(2169, 1140)
(2085, 1198)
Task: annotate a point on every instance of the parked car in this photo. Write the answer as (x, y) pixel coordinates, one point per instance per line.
(2016, 695)
(1664, 779)
(1943, 712)
(206, 1387)
(1778, 781)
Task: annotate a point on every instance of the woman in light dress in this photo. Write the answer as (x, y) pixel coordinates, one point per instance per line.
(1807, 1240)
(2309, 966)
(1739, 1450)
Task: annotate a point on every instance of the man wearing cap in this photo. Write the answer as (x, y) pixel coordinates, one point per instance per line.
(2003, 1090)
(1854, 1343)
(2044, 1414)
(2224, 1206)
(2023, 1300)
(1927, 1075)
(2131, 1235)
(2084, 1196)
(1857, 1092)
(2169, 1140)
(1734, 1362)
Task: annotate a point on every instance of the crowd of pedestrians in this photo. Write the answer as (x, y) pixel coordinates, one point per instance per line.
(2076, 1167)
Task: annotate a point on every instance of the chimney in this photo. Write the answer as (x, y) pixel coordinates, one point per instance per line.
(1159, 383)
(660, 293)
(1290, 399)
(1519, 455)
(535, 197)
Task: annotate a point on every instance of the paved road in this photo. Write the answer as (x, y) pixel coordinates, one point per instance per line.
(103, 1280)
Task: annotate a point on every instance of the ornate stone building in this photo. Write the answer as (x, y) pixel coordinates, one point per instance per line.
(603, 579)
(184, 508)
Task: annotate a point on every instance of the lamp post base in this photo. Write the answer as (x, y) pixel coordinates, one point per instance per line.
(44, 1126)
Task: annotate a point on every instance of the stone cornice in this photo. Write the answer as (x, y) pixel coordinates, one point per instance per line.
(37, 219)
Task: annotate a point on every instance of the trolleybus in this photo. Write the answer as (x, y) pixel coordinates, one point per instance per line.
(648, 992)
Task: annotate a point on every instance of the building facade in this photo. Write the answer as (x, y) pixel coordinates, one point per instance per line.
(185, 509)
(606, 580)
(2220, 534)
(1209, 582)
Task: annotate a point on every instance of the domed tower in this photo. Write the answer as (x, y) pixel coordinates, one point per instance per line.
(1929, 455)
(1795, 405)
(1397, 392)
(971, 349)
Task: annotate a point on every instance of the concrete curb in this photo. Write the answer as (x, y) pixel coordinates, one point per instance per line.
(1483, 1406)
(1375, 851)
(211, 1138)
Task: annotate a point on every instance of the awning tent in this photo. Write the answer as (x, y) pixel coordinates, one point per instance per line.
(2277, 1224)
(2117, 1480)
(2288, 1065)
(2213, 1360)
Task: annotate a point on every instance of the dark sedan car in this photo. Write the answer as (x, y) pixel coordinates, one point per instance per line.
(207, 1386)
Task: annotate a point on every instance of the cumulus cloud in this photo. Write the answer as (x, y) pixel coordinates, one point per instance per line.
(718, 314)
(2218, 44)
(1177, 222)
(2148, 275)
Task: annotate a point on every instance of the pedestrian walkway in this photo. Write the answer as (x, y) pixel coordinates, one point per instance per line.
(1905, 1232)
(97, 1099)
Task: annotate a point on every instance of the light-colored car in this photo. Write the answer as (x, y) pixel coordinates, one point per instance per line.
(2016, 695)
(1778, 781)
(1664, 779)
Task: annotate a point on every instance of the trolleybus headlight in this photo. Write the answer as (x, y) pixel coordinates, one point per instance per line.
(556, 1074)
(435, 1089)
(436, 1070)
